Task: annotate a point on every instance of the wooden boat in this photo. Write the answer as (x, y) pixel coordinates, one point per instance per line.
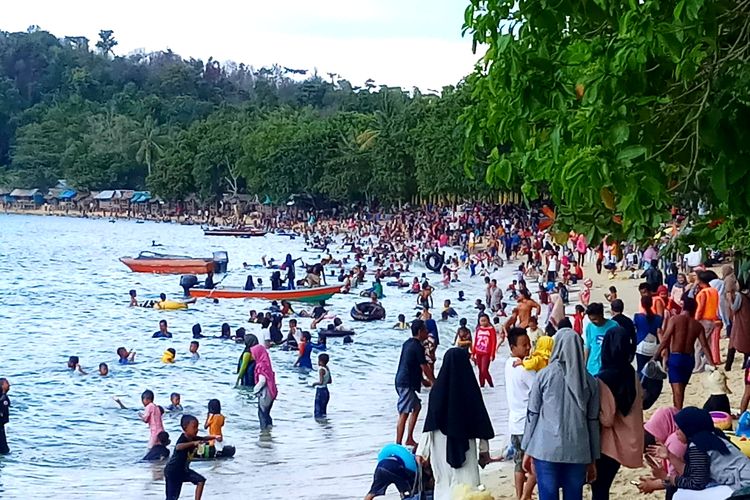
(151, 262)
(301, 294)
(237, 232)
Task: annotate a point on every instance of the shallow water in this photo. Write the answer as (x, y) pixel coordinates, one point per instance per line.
(65, 293)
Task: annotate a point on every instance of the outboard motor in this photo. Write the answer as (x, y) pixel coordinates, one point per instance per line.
(221, 262)
(188, 281)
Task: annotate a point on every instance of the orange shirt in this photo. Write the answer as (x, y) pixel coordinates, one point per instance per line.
(708, 304)
(215, 423)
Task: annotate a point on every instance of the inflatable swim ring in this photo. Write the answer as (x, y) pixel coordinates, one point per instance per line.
(367, 311)
(396, 450)
(740, 442)
(722, 421)
(325, 332)
(434, 261)
(170, 305)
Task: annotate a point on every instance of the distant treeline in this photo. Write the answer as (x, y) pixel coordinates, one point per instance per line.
(179, 126)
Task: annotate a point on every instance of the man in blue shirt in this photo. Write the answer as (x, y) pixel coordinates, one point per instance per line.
(413, 372)
(594, 336)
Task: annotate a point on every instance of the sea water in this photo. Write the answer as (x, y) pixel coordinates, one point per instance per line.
(64, 293)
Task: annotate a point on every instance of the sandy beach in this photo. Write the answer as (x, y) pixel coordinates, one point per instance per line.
(498, 477)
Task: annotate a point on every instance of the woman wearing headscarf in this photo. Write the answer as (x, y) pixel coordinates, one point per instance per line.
(561, 438)
(662, 429)
(712, 469)
(621, 414)
(456, 419)
(246, 363)
(265, 385)
(675, 296)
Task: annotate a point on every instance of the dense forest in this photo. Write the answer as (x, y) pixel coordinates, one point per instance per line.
(70, 109)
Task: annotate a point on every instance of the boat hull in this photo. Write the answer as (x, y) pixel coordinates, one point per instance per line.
(169, 266)
(300, 295)
(239, 233)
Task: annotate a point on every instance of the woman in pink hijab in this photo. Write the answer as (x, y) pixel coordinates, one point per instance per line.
(662, 427)
(265, 385)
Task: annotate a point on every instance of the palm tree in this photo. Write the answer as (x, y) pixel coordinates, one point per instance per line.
(149, 144)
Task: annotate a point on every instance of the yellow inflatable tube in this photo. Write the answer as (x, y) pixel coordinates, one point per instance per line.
(742, 443)
(170, 305)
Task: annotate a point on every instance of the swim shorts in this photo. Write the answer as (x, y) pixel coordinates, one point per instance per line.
(174, 482)
(391, 472)
(515, 441)
(408, 401)
(680, 367)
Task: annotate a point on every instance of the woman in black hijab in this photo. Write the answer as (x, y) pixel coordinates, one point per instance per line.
(456, 418)
(713, 468)
(621, 412)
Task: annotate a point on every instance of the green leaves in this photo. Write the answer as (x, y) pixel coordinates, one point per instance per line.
(631, 153)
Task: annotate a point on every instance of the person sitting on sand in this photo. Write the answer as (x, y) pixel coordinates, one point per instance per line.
(712, 468)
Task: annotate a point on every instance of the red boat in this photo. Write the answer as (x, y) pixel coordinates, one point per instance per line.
(150, 262)
(301, 294)
(238, 232)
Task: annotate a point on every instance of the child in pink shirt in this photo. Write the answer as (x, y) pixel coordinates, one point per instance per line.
(152, 416)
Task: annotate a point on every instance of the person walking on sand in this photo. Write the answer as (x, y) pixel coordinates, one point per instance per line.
(561, 437)
(621, 414)
(518, 382)
(413, 372)
(707, 313)
(681, 335)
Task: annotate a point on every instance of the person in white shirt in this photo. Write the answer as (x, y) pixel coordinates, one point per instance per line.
(518, 382)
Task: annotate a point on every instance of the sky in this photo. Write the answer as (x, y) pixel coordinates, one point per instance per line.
(395, 42)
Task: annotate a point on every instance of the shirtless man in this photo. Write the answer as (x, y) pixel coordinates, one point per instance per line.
(677, 345)
(525, 307)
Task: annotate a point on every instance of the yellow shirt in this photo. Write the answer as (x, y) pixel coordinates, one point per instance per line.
(540, 358)
(167, 357)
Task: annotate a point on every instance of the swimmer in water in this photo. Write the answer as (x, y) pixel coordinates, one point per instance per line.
(194, 345)
(125, 357)
(75, 365)
(401, 325)
(169, 356)
(103, 369)
(174, 404)
(133, 298)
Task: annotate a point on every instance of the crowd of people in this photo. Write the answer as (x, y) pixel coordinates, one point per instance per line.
(577, 377)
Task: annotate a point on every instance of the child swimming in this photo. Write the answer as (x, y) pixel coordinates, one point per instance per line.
(168, 356)
(125, 357)
(75, 365)
(174, 399)
(103, 369)
(401, 325)
(194, 345)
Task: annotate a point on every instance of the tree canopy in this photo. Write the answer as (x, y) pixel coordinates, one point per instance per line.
(618, 110)
(186, 126)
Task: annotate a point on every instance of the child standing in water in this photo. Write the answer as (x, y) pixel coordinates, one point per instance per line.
(463, 338)
(214, 423)
(322, 396)
(152, 416)
(177, 470)
(485, 346)
(174, 405)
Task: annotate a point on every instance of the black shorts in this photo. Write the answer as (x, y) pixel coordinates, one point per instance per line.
(175, 480)
(391, 472)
